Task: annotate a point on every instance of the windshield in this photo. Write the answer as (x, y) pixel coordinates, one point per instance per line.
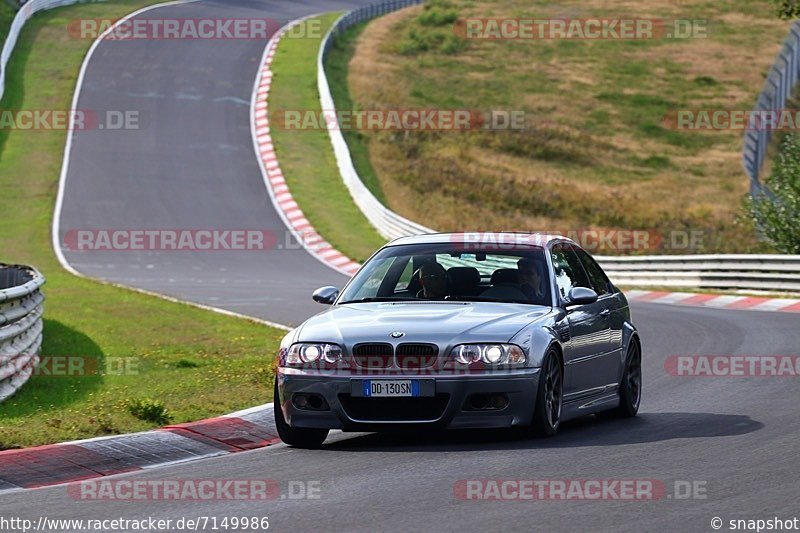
(452, 271)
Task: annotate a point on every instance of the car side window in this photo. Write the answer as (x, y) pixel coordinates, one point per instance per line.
(567, 270)
(599, 280)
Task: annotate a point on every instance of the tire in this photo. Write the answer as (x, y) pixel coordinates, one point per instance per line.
(308, 438)
(630, 390)
(549, 396)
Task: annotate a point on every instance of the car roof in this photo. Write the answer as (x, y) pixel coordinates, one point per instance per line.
(482, 237)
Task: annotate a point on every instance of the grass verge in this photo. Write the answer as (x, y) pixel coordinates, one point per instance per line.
(7, 13)
(596, 151)
(306, 155)
(163, 361)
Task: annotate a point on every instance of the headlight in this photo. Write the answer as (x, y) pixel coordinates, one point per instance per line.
(312, 352)
(490, 354)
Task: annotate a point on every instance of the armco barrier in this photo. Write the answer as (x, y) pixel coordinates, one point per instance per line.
(782, 78)
(777, 273)
(20, 325)
(388, 223)
(764, 272)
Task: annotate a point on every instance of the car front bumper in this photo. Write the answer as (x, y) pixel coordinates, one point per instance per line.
(449, 407)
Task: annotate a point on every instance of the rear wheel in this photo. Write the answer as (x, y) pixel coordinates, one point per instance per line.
(296, 437)
(549, 397)
(630, 388)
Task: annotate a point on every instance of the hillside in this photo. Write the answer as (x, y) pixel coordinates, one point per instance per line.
(597, 150)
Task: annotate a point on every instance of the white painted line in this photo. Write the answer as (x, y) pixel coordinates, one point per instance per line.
(56, 228)
(775, 304)
(673, 298)
(722, 301)
(636, 294)
(250, 411)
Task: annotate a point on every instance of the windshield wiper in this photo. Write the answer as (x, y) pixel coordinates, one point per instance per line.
(378, 299)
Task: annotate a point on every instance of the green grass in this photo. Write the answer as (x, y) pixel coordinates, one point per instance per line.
(306, 155)
(7, 13)
(194, 363)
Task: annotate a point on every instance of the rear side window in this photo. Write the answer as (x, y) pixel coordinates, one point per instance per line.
(567, 270)
(600, 282)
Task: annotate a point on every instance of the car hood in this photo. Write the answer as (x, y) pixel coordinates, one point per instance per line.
(442, 323)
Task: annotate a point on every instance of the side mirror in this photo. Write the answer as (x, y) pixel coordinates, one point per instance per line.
(581, 296)
(327, 295)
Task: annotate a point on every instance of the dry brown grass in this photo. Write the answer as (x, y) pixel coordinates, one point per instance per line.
(594, 152)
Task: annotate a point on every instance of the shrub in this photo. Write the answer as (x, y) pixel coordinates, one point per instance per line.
(788, 9)
(149, 410)
(435, 16)
(777, 213)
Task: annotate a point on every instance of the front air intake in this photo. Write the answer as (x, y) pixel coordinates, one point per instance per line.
(413, 356)
(373, 355)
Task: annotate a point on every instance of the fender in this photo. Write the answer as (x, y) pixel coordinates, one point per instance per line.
(536, 341)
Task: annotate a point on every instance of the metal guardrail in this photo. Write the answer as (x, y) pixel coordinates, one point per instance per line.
(782, 78)
(25, 12)
(753, 272)
(388, 223)
(21, 307)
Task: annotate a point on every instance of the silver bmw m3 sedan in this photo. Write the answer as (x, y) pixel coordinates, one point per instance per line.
(461, 330)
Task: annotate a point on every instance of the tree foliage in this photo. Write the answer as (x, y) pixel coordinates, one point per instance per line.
(788, 9)
(777, 213)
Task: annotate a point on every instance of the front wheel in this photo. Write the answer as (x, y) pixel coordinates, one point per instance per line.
(549, 397)
(630, 389)
(296, 437)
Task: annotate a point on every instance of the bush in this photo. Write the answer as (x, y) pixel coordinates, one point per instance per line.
(149, 410)
(777, 213)
(788, 9)
(435, 16)
(429, 31)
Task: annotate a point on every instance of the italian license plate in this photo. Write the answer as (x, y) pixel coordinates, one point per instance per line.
(380, 388)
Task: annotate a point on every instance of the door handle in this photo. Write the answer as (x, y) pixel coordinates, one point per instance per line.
(605, 313)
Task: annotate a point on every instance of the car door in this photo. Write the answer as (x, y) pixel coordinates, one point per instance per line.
(584, 353)
(614, 307)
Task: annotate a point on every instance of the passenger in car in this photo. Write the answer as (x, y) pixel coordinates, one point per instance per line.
(433, 278)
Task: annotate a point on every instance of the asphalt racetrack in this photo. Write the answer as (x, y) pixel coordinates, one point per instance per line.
(732, 437)
(190, 165)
